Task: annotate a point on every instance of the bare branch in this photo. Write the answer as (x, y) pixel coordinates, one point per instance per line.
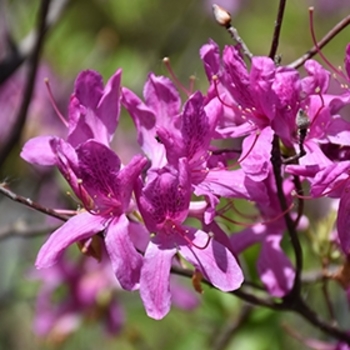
(31, 204)
(22, 229)
(277, 31)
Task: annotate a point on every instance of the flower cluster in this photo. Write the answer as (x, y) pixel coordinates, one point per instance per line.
(84, 289)
(168, 205)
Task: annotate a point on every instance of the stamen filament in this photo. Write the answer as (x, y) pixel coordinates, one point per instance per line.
(314, 40)
(244, 224)
(166, 61)
(54, 104)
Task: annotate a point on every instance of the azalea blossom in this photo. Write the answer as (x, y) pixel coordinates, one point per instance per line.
(164, 204)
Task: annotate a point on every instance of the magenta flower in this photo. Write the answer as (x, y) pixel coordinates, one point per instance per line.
(105, 190)
(94, 109)
(274, 267)
(93, 114)
(161, 109)
(192, 139)
(164, 204)
(91, 290)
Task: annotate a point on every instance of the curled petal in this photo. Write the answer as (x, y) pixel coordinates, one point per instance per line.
(38, 151)
(210, 55)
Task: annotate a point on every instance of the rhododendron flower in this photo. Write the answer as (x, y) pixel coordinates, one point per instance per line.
(95, 174)
(161, 107)
(91, 292)
(164, 205)
(93, 114)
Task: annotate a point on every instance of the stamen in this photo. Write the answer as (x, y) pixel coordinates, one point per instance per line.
(341, 183)
(243, 113)
(192, 81)
(239, 161)
(230, 205)
(313, 35)
(84, 246)
(166, 61)
(251, 148)
(85, 198)
(243, 215)
(54, 104)
(319, 110)
(237, 109)
(182, 233)
(245, 224)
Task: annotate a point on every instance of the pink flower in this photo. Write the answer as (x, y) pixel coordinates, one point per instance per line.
(164, 204)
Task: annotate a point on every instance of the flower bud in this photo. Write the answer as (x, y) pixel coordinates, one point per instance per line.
(221, 16)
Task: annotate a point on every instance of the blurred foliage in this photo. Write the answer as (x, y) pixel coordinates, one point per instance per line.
(135, 35)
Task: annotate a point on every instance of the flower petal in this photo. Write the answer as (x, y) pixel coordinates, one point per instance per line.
(343, 220)
(216, 262)
(274, 267)
(126, 261)
(38, 151)
(154, 282)
(109, 106)
(162, 96)
(77, 228)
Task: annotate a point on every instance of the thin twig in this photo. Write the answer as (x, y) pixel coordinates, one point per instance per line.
(223, 18)
(299, 191)
(22, 229)
(222, 340)
(298, 306)
(240, 293)
(306, 312)
(235, 36)
(276, 164)
(327, 299)
(323, 42)
(277, 31)
(19, 123)
(31, 204)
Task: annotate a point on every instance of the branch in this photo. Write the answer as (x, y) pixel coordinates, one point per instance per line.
(31, 204)
(231, 328)
(297, 305)
(223, 18)
(323, 42)
(22, 229)
(303, 309)
(240, 293)
(276, 163)
(19, 53)
(17, 128)
(277, 31)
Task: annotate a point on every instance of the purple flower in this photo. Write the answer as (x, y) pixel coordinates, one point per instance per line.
(93, 114)
(94, 173)
(94, 109)
(274, 267)
(161, 109)
(91, 289)
(164, 204)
